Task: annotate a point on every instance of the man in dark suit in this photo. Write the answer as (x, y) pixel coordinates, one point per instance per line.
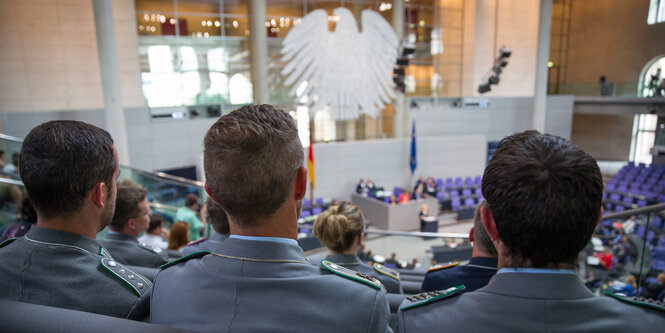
(476, 273)
(544, 199)
(258, 279)
(131, 218)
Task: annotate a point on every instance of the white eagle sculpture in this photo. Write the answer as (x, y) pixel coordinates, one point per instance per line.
(346, 70)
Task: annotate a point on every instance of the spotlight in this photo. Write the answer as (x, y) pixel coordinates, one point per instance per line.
(398, 71)
(398, 79)
(496, 70)
(505, 52)
(408, 50)
(494, 79)
(402, 61)
(483, 88)
(503, 63)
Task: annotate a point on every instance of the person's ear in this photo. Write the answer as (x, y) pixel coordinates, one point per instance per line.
(472, 237)
(489, 224)
(131, 224)
(600, 217)
(99, 193)
(359, 240)
(300, 183)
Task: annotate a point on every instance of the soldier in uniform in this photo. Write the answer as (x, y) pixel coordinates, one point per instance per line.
(131, 218)
(544, 199)
(219, 222)
(340, 228)
(476, 273)
(258, 279)
(69, 169)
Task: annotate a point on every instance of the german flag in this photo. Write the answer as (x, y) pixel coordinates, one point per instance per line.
(310, 165)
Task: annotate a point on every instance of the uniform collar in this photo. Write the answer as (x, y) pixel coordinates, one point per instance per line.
(217, 237)
(344, 259)
(545, 285)
(238, 248)
(114, 235)
(483, 262)
(266, 239)
(58, 237)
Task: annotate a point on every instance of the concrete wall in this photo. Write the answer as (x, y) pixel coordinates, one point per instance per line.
(339, 166)
(605, 137)
(48, 55)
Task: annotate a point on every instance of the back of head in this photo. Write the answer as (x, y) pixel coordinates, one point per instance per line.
(217, 217)
(191, 200)
(338, 227)
(61, 161)
(178, 235)
(482, 239)
(156, 221)
(545, 197)
(251, 156)
(126, 205)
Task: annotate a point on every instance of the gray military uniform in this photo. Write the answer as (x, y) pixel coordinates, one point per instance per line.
(67, 270)
(259, 286)
(127, 250)
(392, 285)
(527, 302)
(209, 244)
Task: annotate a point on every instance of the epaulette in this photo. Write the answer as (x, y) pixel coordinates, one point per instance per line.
(104, 253)
(200, 240)
(386, 271)
(442, 266)
(7, 242)
(351, 274)
(195, 255)
(429, 297)
(640, 301)
(136, 282)
(150, 248)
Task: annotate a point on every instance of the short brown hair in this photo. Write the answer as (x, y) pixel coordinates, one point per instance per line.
(339, 226)
(251, 156)
(191, 199)
(126, 205)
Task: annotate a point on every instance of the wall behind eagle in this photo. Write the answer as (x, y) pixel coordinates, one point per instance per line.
(49, 58)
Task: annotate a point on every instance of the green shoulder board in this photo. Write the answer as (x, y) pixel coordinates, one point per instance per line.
(639, 301)
(442, 266)
(195, 255)
(7, 242)
(386, 271)
(134, 281)
(351, 274)
(429, 297)
(150, 248)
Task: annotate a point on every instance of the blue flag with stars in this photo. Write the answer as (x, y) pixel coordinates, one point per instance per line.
(413, 161)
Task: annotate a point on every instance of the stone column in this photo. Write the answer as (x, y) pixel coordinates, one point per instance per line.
(114, 113)
(258, 50)
(540, 91)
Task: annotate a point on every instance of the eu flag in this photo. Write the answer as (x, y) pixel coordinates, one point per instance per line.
(413, 162)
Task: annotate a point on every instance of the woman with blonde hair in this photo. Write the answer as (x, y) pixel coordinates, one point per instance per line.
(178, 236)
(340, 229)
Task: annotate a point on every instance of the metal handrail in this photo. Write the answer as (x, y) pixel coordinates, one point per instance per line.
(11, 181)
(417, 233)
(635, 211)
(10, 138)
(161, 206)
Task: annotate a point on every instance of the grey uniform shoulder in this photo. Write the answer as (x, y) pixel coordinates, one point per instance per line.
(152, 249)
(386, 271)
(429, 297)
(138, 284)
(195, 255)
(638, 301)
(351, 274)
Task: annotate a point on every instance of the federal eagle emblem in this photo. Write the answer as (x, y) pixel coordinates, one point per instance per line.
(347, 71)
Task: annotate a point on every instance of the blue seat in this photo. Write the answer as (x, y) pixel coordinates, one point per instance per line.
(459, 182)
(468, 181)
(307, 203)
(305, 213)
(619, 208)
(316, 211)
(319, 201)
(440, 195)
(466, 192)
(454, 193)
(455, 203)
(470, 202)
(478, 181)
(641, 203)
